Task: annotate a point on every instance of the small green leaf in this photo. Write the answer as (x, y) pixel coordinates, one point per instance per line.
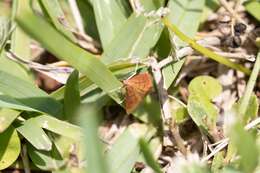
(71, 97)
(9, 147)
(202, 90)
(34, 134)
(57, 126)
(46, 160)
(179, 112)
(7, 116)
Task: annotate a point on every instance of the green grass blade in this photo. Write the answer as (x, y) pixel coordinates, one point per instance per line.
(28, 94)
(94, 155)
(75, 56)
(203, 50)
(53, 10)
(72, 97)
(186, 15)
(250, 86)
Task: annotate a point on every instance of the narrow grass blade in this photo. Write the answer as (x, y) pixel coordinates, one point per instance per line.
(94, 155)
(28, 94)
(71, 97)
(203, 50)
(52, 9)
(77, 57)
(186, 15)
(250, 86)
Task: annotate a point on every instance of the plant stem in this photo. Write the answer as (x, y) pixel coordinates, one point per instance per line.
(250, 86)
(203, 50)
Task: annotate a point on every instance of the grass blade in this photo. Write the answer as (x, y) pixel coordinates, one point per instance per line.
(77, 57)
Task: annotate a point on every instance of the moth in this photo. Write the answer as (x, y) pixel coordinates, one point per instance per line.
(137, 87)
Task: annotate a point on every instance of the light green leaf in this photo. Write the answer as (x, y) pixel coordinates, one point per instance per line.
(7, 116)
(71, 97)
(9, 147)
(34, 134)
(57, 126)
(202, 90)
(141, 32)
(247, 149)
(109, 18)
(253, 8)
(185, 14)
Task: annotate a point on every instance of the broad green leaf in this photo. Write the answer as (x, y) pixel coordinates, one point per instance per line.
(247, 149)
(141, 32)
(7, 116)
(34, 134)
(94, 155)
(148, 156)
(71, 97)
(53, 11)
(28, 94)
(109, 18)
(46, 160)
(185, 14)
(253, 8)
(57, 126)
(230, 170)
(202, 90)
(85, 62)
(9, 147)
